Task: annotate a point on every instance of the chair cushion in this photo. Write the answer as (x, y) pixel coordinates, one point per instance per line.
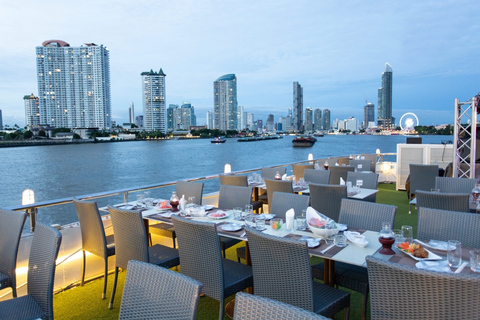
(163, 256)
(348, 276)
(329, 300)
(237, 276)
(24, 307)
(4, 280)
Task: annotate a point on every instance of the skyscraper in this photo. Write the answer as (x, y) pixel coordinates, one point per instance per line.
(241, 120)
(131, 113)
(153, 89)
(225, 102)
(385, 120)
(209, 120)
(308, 119)
(73, 85)
(181, 118)
(326, 119)
(317, 115)
(32, 112)
(1, 120)
(297, 106)
(270, 123)
(369, 114)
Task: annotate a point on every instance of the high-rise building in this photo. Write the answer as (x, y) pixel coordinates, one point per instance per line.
(286, 123)
(326, 119)
(385, 120)
(297, 106)
(131, 113)
(73, 85)
(269, 125)
(153, 86)
(209, 120)
(317, 115)
(369, 114)
(351, 124)
(181, 118)
(241, 121)
(32, 110)
(171, 117)
(139, 121)
(250, 120)
(308, 119)
(225, 102)
(1, 120)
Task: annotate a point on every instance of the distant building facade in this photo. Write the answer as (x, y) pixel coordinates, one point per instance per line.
(241, 120)
(181, 118)
(368, 114)
(32, 110)
(73, 85)
(131, 113)
(250, 119)
(385, 119)
(317, 122)
(153, 92)
(225, 103)
(308, 119)
(269, 125)
(297, 107)
(326, 119)
(139, 121)
(1, 120)
(209, 120)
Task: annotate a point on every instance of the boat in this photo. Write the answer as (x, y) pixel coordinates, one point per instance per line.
(219, 140)
(318, 134)
(304, 141)
(259, 138)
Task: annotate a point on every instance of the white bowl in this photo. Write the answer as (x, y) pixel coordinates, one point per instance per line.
(324, 233)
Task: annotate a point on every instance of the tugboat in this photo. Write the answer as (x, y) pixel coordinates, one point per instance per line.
(303, 141)
(218, 140)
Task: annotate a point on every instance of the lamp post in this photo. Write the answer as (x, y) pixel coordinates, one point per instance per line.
(28, 197)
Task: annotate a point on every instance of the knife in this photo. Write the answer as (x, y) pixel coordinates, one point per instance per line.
(462, 266)
(328, 248)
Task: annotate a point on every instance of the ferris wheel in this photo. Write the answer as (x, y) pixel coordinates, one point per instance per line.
(408, 121)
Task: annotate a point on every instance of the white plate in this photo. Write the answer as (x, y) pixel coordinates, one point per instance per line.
(168, 214)
(440, 266)
(231, 227)
(351, 237)
(226, 215)
(312, 242)
(435, 244)
(163, 209)
(268, 216)
(431, 256)
(126, 207)
(208, 207)
(342, 227)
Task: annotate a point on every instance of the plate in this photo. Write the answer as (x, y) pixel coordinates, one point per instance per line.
(208, 207)
(431, 255)
(231, 227)
(167, 214)
(439, 266)
(218, 215)
(435, 244)
(163, 209)
(342, 227)
(268, 216)
(311, 242)
(356, 238)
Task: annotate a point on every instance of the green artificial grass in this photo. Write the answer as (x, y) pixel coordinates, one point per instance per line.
(86, 302)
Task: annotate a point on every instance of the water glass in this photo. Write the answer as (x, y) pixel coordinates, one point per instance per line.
(475, 260)
(140, 198)
(407, 234)
(191, 201)
(301, 221)
(248, 208)
(237, 213)
(329, 238)
(454, 253)
(340, 240)
(147, 194)
(259, 222)
(250, 219)
(277, 224)
(148, 203)
(398, 236)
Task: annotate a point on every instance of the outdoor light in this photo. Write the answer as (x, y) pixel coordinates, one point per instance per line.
(386, 167)
(228, 168)
(310, 157)
(28, 197)
(378, 151)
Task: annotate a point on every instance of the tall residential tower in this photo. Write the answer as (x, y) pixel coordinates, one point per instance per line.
(297, 107)
(225, 103)
(369, 114)
(385, 119)
(153, 91)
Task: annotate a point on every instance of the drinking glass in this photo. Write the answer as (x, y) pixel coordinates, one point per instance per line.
(248, 209)
(301, 220)
(277, 224)
(148, 203)
(146, 194)
(237, 213)
(330, 237)
(140, 198)
(407, 233)
(340, 240)
(249, 219)
(259, 222)
(454, 253)
(475, 260)
(191, 201)
(398, 236)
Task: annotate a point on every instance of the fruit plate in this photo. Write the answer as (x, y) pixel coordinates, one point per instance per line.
(218, 215)
(431, 255)
(312, 242)
(231, 227)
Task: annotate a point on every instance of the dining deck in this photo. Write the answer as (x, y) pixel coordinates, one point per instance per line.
(83, 302)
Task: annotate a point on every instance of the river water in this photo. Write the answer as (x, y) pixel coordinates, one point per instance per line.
(64, 171)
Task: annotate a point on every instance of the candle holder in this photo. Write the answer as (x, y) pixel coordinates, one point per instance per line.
(174, 202)
(387, 239)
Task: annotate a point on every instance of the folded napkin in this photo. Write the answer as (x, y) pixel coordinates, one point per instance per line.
(336, 163)
(182, 203)
(437, 244)
(439, 266)
(284, 177)
(356, 238)
(342, 182)
(317, 166)
(289, 216)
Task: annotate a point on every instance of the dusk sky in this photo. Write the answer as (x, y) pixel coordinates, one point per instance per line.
(336, 50)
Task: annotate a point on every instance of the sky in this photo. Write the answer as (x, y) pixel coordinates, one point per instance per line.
(336, 50)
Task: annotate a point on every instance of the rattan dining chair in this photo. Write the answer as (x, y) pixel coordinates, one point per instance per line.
(358, 215)
(360, 165)
(269, 172)
(277, 186)
(443, 201)
(201, 257)
(11, 226)
(327, 199)
(428, 294)
(369, 181)
(455, 185)
(38, 303)
(317, 176)
(94, 240)
(281, 271)
(299, 169)
(131, 243)
(241, 181)
(373, 160)
(153, 292)
(250, 307)
(434, 224)
(422, 177)
(183, 188)
(338, 172)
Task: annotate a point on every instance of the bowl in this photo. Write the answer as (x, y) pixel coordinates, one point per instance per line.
(322, 232)
(276, 224)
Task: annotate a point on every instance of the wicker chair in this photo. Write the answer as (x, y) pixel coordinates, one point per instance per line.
(250, 307)
(93, 237)
(327, 199)
(11, 226)
(343, 161)
(373, 160)
(298, 170)
(431, 295)
(38, 303)
(202, 260)
(188, 189)
(443, 201)
(240, 181)
(171, 295)
(269, 173)
(317, 176)
(360, 165)
(369, 181)
(132, 244)
(455, 185)
(339, 172)
(446, 225)
(422, 177)
(281, 271)
(359, 215)
(277, 186)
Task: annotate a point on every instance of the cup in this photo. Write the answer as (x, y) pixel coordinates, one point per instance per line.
(454, 253)
(398, 236)
(407, 234)
(191, 201)
(329, 238)
(237, 213)
(475, 260)
(140, 198)
(147, 194)
(276, 224)
(259, 222)
(249, 220)
(148, 203)
(248, 208)
(301, 221)
(340, 240)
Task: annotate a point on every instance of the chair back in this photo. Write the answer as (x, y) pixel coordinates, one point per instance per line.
(11, 226)
(343, 161)
(317, 176)
(422, 177)
(275, 258)
(282, 202)
(298, 169)
(231, 180)
(91, 227)
(269, 173)
(171, 295)
(369, 181)
(250, 307)
(200, 254)
(436, 295)
(332, 162)
(339, 172)
(360, 165)
(455, 185)
(230, 197)
(366, 215)
(434, 224)
(277, 186)
(41, 266)
(443, 201)
(327, 199)
(130, 236)
(373, 159)
(190, 189)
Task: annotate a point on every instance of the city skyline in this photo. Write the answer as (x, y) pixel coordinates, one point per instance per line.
(335, 51)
